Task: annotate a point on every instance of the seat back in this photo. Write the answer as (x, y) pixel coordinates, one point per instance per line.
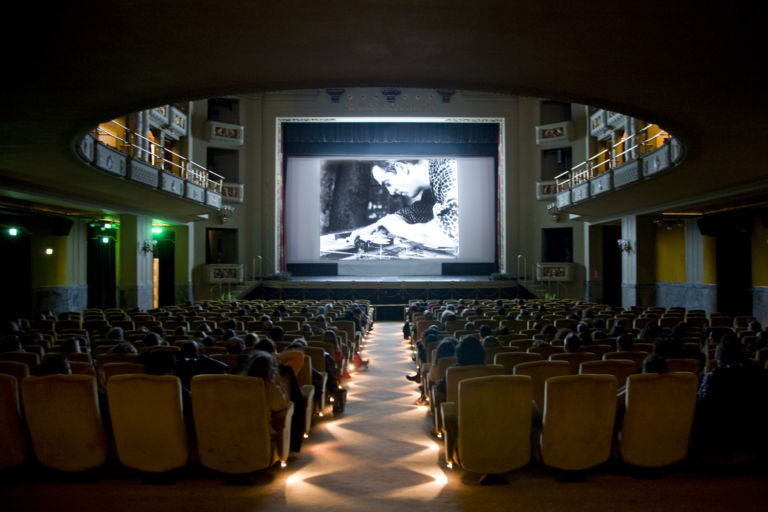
(437, 370)
(619, 368)
(232, 423)
(109, 370)
(494, 423)
(15, 368)
(684, 365)
(455, 374)
(13, 444)
(546, 351)
(658, 418)
(574, 359)
(577, 427)
(29, 358)
(637, 357)
(64, 421)
(148, 421)
(540, 371)
(490, 353)
(509, 359)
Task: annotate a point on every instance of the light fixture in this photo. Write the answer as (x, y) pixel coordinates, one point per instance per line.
(49, 251)
(105, 239)
(157, 230)
(624, 245)
(13, 231)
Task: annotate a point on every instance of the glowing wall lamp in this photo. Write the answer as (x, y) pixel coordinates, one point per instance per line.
(624, 245)
(13, 231)
(49, 251)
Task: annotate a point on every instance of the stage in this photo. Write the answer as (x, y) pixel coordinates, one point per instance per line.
(390, 290)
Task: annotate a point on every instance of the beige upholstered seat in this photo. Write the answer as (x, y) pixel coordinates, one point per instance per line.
(637, 356)
(64, 421)
(29, 358)
(13, 444)
(684, 365)
(509, 359)
(317, 355)
(454, 375)
(577, 426)
(658, 418)
(148, 422)
(307, 391)
(232, 424)
(546, 351)
(619, 368)
(109, 370)
(574, 359)
(14, 368)
(488, 430)
(540, 371)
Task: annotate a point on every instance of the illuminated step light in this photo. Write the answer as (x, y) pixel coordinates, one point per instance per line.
(306, 436)
(449, 465)
(49, 251)
(283, 464)
(13, 231)
(105, 239)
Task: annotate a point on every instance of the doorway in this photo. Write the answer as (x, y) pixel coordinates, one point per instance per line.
(611, 266)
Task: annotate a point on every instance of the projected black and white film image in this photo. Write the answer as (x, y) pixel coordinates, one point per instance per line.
(389, 209)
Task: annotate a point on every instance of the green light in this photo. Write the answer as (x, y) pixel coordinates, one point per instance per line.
(105, 240)
(157, 230)
(13, 231)
(107, 226)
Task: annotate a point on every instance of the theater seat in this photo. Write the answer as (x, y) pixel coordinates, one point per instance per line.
(453, 376)
(509, 359)
(307, 391)
(13, 444)
(148, 422)
(488, 430)
(658, 418)
(232, 424)
(619, 368)
(540, 371)
(64, 421)
(574, 359)
(15, 368)
(577, 426)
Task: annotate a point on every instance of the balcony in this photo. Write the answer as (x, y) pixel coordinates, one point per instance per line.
(114, 148)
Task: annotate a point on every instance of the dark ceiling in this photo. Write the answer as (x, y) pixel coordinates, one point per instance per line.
(695, 69)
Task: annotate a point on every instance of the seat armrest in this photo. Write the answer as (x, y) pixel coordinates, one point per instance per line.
(450, 414)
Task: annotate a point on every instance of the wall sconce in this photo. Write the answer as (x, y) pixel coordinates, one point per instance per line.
(147, 246)
(225, 212)
(624, 245)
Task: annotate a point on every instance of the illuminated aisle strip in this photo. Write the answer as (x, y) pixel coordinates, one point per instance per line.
(378, 452)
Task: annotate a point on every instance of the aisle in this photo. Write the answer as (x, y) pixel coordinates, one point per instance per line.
(379, 450)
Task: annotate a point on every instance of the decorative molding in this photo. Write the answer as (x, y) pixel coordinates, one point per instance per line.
(564, 199)
(194, 192)
(390, 94)
(554, 135)
(615, 120)
(160, 116)
(546, 190)
(233, 192)
(230, 134)
(110, 160)
(213, 199)
(335, 94)
(446, 94)
(580, 192)
(143, 173)
(598, 125)
(177, 126)
(626, 174)
(600, 184)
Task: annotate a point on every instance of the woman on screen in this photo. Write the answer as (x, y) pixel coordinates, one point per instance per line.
(432, 218)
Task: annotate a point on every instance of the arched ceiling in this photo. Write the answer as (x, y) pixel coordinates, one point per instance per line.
(694, 69)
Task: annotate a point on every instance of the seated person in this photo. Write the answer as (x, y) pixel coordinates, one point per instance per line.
(263, 365)
(191, 363)
(469, 351)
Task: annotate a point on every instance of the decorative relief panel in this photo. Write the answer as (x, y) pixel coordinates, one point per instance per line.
(600, 184)
(194, 192)
(213, 199)
(580, 192)
(177, 126)
(598, 125)
(675, 151)
(615, 120)
(231, 134)
(233, 192)
(172, 184)
(626, 174)
(87, 147)
(143, 173)
(221, 273)
(556, 135)
(160, 116)
(564, 199)
(110, 160)
(554, 271)
(656, 161)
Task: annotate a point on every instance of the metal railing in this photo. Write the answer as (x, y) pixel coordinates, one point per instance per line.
(142, 148)
(635, 145)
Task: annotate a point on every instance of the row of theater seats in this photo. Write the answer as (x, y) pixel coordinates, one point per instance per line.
(487, 421)
(63, 418)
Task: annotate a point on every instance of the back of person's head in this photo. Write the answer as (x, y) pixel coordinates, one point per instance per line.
(485, 330)
(598, 335)
(262, 364)
(469, 326)
(446, 347)
(53, 365)
(754, 326)
(598, 323)
(329, 335)
(470, 351)
(298, 344)
(159, 330)
(730, 350)
(265, 345)
(235, 346)
(180, 331)
(491, 342)
(208, 341)
(115, 333)
(229, 325)
(625, 343)
(572, 342)
(549, 331)
(655, 363)
(190, 349)
(70, 345)
(151, 339)
(251, 339)
(667, 347)
(159, 362)
(124, 347)
(276, 333)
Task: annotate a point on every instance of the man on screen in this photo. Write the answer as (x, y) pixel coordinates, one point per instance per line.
(432, 217)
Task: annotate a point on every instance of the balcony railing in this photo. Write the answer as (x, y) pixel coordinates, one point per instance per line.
(635, 146)
(142, 148)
